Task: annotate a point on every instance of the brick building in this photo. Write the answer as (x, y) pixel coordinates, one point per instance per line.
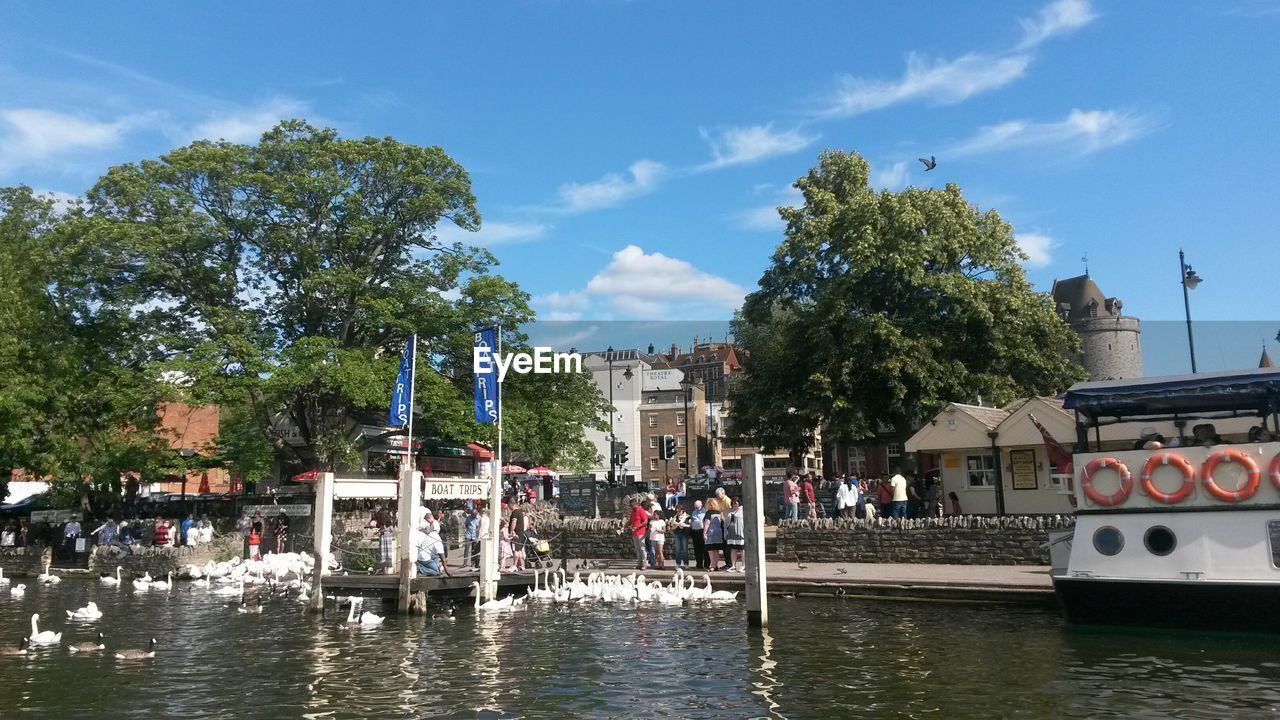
(708, 363)
(681, 413)
(192, 430)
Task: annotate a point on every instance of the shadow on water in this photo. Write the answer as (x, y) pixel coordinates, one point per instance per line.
(819, 658)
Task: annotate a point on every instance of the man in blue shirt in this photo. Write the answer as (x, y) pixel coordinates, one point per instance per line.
(471, 549)
(186, 525)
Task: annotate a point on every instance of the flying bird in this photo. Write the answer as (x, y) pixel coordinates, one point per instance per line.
(929, 164)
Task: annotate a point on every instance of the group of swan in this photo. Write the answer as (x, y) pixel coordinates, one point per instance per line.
(49, 637)
(600, 587)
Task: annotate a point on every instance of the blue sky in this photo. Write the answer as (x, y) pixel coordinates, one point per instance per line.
(627, 155)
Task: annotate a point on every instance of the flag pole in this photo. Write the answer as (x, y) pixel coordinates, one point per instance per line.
(495, 487)
(413, 373)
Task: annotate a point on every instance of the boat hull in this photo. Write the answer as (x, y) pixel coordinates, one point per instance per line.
(1243, 607)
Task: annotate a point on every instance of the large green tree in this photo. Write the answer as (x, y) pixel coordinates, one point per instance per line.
(282, 279)
(880, 307)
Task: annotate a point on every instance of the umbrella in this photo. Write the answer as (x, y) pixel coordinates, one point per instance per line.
(512, 470)
(542, 471)
(308, 476)
(204, 482)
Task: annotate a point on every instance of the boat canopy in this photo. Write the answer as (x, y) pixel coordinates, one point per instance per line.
(1238, 392)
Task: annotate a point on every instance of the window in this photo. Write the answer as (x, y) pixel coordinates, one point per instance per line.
(981, 471)
(1160, 540)
(1273, 536)
(682, 465)
(679, 441)
(892, 453)
(653, 421)
(653, 465)
(1058, 480)
(773, 463)
(1108, 540)
(680, 419)
(653, 442)
(858, 460)
(651, 399)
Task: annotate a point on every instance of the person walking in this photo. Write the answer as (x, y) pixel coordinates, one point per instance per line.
(696, 520)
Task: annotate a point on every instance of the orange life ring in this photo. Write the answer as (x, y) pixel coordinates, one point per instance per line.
(1236, 456)
(1182, 464)
(1126, 481)
(1274, 470)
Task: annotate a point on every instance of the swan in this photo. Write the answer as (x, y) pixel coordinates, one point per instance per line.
(48, 637)
(20, 650)
(505, 603)
(92, 646)
(111, 580)
(229, 590)
(47, 579)
(163, 584)
(368, 619)
(202, 582)
(143, 583)
(194, 572)
(88, 612)
(544, 593)
(18, 590)
(135, 654)
(3, 580)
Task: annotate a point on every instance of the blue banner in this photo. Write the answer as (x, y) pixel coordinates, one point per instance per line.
(485, 369)
(402, 394)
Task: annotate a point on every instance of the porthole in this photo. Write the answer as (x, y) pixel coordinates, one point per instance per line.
(1108, 540)
(1160, 540)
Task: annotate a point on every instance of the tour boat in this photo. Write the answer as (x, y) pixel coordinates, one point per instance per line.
(1183, 533)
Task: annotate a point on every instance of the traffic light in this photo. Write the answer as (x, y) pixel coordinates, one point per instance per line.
(622, 455)
(668, 449)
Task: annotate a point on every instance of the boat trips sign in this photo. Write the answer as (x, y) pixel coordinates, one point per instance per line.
(455, 488)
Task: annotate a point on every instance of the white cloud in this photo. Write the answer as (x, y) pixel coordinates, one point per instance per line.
(246, 125)
(1039, 248)
(568, 305)
(764, 218)
(612, 189)
(741, 145)
(647, 285)
(1056, 18)
(62, 201)
(1082, 131)
(944, 82)
(893, 177)
(29, 135)
(493, 233)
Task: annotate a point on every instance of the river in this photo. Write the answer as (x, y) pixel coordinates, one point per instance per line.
(820, 658)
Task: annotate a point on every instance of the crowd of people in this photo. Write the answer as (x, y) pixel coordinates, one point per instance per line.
(123, 535)
(708, 536)
(901, 495)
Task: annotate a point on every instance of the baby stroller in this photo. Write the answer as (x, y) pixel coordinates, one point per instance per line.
(537, 551)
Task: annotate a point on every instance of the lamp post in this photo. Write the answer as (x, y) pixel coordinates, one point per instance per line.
(185, 453)
(688, 390)
(1189, 280)
(613, 439)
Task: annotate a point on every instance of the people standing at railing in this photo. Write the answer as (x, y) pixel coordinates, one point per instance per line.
(713, 533)
(471, 539)
(697, 518)
(846, 498)
(679, 527)
(638, 525)
(809, 497)
(735, 538)
(791, 498)
(658, 540)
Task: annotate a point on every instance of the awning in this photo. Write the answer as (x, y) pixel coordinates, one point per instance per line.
(308, 476)
(1250, 390)
(480, 451)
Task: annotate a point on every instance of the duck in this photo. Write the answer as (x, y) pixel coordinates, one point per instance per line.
(88, 612)
(48, 637)
(88, 647)
(3, 580)
(111, 580)
(20, 650)
(45, 578)
(18, 590)
(163, 585)
(136, 654)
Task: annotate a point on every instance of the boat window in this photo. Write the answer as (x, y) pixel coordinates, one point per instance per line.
(1108, 540)
(1160, 540)
(1273, 532)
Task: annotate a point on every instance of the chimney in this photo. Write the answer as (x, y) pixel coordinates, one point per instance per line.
(573, 350)
(675, 350)
(650, 348)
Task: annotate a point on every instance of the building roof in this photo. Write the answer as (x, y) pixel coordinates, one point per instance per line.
(1079, 294)
(1265, 361)
(989, 416)
(701, 355)
(1201, 392)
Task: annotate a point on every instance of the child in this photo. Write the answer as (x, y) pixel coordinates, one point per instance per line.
(658, 538)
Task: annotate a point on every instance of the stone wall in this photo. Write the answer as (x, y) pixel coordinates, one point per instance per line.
(964, 540)
(158, 561)
(23, 561)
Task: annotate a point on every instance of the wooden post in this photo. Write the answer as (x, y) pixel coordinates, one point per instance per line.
(753, 519)
(321, 529)
(409, 516)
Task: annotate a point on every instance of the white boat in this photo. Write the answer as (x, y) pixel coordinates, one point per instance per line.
(1185, 533)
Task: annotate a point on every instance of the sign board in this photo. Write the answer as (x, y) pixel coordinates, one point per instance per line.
(273, 510)
(442, 488)
(53, 517)
(578, 495)
(80, 545)
(1023, 465)
(663, 379)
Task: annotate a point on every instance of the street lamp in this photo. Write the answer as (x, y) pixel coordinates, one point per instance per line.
(613, 437)
(1189, 280)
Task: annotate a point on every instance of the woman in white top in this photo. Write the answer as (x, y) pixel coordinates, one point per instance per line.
(658, 538)
(206, 532)
(735, 537)
(193, 535)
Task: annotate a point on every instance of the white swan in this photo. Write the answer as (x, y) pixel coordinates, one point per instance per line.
(506, 603)
(3, 580)
(544, 593)
(143, 583)
(368, 619)
(134, 654)
(110, 579)
(203, 582)
(18, 590)
(163, 584)
(229, 590)
(48, 637)
(45, 578)
(88, 612)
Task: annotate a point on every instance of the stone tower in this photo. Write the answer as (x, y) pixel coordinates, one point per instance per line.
(1110, 342)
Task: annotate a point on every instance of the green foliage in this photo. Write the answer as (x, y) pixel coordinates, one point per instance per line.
(544, 416)
(880, 307)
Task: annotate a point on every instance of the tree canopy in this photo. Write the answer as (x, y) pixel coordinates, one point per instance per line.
(880, 307)
(279, 280)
